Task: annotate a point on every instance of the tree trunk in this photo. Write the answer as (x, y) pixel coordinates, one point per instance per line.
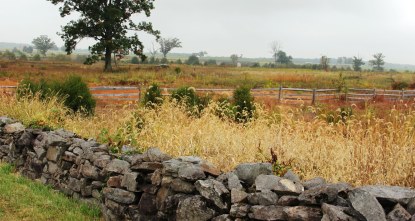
(108, 66)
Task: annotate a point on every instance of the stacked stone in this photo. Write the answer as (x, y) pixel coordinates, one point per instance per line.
(154, 186)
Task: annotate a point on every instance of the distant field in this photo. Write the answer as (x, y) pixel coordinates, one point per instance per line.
(200, 76)
(23, 199)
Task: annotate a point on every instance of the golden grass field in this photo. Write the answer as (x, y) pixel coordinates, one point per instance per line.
(374, 146)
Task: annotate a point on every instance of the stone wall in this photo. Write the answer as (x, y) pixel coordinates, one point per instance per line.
(154, 186)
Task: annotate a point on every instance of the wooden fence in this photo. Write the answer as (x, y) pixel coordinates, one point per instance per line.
(131, 93)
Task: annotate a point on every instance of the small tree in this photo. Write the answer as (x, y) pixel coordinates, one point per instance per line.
(193, 60)
(43, 43)
(135, 60)
(153, 97)
(377, 62)
(324, 63)
(282, 58)
(275, 48)
(167, 44)
(28, 49)
(235, 58)
(357, 63)
(244, 104)
(37, 57)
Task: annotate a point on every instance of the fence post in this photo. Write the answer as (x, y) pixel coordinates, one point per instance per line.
(374, 94)
(313, 99)
(280, 94)
(403, 94)
(139, 93)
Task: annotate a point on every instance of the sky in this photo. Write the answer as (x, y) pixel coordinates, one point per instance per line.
(304, 28)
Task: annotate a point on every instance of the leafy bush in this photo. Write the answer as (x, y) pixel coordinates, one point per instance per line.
(244, 104)
(73, 90)
(188, 97)
(399, 85)
(193, 60)
(135, 60)
(153, 96)
(37, 57)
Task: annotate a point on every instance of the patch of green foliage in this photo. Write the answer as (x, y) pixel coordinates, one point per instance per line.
(188, 97)
(73, 90)
(24, 199)
(153, 97)
(244, 104)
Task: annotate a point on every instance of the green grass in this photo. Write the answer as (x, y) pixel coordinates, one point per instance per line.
(24, 199)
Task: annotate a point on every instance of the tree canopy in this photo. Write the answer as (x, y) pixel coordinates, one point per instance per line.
(357, 63)
(167, 44)
(377, 62)
(43, 43)
(109, 23)
(282, 58)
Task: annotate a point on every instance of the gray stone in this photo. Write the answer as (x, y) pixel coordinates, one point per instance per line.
(155, 155)
(118, 166)
(288, 201)
(325, 193)
(78, 151)
(171, 167)
(13, 128)
(239, 210)
(147, 204)
(52, 168)
(89, 171)
(63, 133)
(162, 195)
(393, 194)
(314, 182)
(74, 184)
(86, 191)
(6, 120)
(190, 159)
(119, 195)
(102, 161)
(25, 140)
(238, 196)
(411, 207)
(55, 140)
(264, 198)
(303, 213)
(248, 172)
(96, 194)
(147, 166)
(69, 156)
(398, 214)
(278, 185)
(213, 190)
(130, 181)
(267, 213)
(292, 176)
(156, 178)
(336, 213)
(224, 217)
(191, 172)
(181, 186)
(194, 209)
(366, 205)
(234, 182)
(413, 218)
(209, 168)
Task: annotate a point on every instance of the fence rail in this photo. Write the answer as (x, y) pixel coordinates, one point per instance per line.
(131, 93)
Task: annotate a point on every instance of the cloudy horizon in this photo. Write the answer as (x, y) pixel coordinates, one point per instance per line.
(304, 28)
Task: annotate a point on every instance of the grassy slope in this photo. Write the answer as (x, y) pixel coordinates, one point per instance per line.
(23, 199)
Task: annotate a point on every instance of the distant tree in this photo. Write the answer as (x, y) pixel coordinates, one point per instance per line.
(27, 49)
(282, 58)
(357, 63)
(37, 57)
(108, 22)
(167, 44)
(9, 55)
(200, 54)
(235, 58)
(179, 61)
(377, 62)
(324, 63)
(135, 60)
(43, 43)
(275, 48)
(193, 60)
(211, 62)
(23, 57)
(152, 51)
(15, 50)
(339, 60)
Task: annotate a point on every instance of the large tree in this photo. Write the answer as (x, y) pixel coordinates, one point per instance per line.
(357, 63)
(167, 44)
(377, 62)
(282, 58)
(109, 23)
(43, 43)
(275, 48)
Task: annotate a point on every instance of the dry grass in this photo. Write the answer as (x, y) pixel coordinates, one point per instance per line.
(365, 150)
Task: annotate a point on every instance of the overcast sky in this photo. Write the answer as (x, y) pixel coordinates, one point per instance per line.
(305, 28)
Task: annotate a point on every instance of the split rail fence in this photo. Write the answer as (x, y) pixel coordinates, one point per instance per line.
(132, 93)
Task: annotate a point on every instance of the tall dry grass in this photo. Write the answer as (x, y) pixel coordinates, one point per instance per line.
(364, 150)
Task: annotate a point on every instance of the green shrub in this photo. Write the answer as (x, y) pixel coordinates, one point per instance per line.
(188, 97)
(153, 96)
(73, 90)
(399, 85)
(135, 60)
(37, 57)
(244, 104)
(193, 60)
